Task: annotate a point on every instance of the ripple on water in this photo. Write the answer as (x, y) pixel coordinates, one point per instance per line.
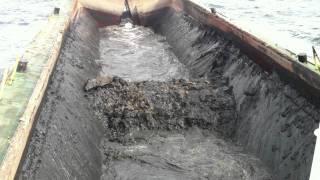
(316, 40)
(277, 16)
(138, 54)
(19, 22)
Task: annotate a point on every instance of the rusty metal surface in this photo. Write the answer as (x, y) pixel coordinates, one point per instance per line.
(114, 7)
(104, 18)
(144, 6)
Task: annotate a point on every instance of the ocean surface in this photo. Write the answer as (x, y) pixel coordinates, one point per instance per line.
(293, 24)
(20, 21)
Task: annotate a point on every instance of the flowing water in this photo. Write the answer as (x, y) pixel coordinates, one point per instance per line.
(138, 54)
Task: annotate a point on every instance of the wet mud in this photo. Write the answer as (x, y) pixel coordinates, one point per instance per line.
(171, 130)
(216, 115)
(172, 105)
(66, 137)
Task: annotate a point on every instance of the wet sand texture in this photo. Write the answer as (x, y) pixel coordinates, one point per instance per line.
(268, 118)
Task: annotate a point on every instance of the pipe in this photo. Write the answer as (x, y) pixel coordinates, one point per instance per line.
(127, 12)
(315, 170)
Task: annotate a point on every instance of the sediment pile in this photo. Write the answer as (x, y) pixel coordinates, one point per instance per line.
(127, 107)
(170, 130)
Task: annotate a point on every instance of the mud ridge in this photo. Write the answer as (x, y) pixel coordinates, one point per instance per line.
(175, 105)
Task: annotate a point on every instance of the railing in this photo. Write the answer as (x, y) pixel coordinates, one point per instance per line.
(8, 76)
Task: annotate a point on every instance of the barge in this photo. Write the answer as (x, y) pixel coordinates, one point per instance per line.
(240, 108)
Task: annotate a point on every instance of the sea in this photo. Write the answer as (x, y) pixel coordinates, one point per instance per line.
(20, 21)
(292, 24)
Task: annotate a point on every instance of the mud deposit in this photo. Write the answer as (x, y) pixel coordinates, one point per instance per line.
(170, 130)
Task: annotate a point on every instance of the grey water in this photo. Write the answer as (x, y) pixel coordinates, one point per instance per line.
(297, 20)
(138, 54)
(292, 24)
(20, 21)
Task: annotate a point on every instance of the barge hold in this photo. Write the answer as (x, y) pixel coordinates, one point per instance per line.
(164, 89)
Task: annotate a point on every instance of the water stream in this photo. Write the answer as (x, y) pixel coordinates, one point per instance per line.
(138, 54)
